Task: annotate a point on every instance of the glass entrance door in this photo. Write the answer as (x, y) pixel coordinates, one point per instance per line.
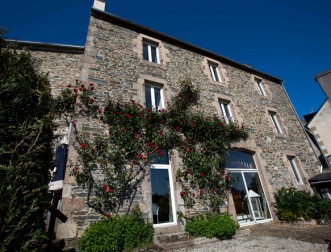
(163, 209)
(248, 196)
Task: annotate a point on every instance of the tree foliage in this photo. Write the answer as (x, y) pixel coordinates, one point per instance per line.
(25, 151)
(138, 137)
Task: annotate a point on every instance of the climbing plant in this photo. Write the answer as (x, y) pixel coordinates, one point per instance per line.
(137, 136)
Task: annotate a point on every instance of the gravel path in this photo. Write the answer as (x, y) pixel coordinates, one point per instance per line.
(258, 244)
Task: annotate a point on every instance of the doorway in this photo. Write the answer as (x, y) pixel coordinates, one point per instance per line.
(163, 204)
(248, 195)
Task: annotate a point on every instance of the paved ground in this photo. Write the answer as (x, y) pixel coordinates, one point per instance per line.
(308, 232)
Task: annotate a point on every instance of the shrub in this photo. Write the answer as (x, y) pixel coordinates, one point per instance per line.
(212, 225)
(25, 151)
(293, 205)
(118, 233)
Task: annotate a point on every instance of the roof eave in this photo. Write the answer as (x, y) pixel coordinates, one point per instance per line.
(48, 47)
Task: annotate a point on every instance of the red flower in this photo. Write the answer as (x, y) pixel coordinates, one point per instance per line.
(127, 116)
(75, 90)
(161, 133)
(84, 89)
(191, 151)
(140, 114)
(68, 85)
(91, 84)
(185, 147)
(182, 193)
(100, 111)
(93, 149)
(201, 191)
(177, 128)
(193, 194)
(76, 168)
(82, 86)
(222, 124)
(110, 190)
(202, 174)
(91, 100)
(183, 120)
(82, 145)
(142, 156)
(133, 102)
(227, 177)
(105, 187)
(108, 215)
(194, 124)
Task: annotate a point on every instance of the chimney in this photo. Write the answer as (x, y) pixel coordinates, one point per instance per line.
(99, 5)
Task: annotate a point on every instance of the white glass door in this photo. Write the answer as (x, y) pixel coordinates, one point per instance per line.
(163, 207)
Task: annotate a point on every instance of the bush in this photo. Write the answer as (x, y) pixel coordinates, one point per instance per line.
(293, 205)
(118, 233)
(212, 225)
(25, 151)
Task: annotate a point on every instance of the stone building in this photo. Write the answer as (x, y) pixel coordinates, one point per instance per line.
(317, 126)
(134, 62)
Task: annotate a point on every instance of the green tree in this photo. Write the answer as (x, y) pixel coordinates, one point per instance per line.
(138, 136)
(25, 151)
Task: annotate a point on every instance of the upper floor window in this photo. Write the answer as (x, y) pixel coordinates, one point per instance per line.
(295, 170)
(154, 97)
(214, 72)
(226, 111)
(260, 86)
(275, 122)
(150, 52)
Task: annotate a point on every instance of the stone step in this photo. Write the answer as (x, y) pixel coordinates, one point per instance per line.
(174, 237)
(178, 245)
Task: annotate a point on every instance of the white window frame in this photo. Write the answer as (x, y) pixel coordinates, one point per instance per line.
(260, 86)
(295, 170)
(149, 48)
(275, 122)
(152, 86)
(226, 111)
(215, 74)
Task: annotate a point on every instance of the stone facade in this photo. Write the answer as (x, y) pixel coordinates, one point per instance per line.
(113, 60)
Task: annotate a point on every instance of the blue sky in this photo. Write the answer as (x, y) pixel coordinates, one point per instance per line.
(289, 39)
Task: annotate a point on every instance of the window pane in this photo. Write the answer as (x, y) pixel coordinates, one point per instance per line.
(161, 157)
(239, 159)
(216, 74)
(295, 170)
(148, 97)
(145, 51)
(161, 196)
(255, 192)
(158, 102)
(154, 53)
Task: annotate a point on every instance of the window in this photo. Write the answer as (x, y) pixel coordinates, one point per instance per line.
(260, 85)
(226, 111)
(154, 97)
(275, 122)
(214, 72)
(150, 52)
(295, 170)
